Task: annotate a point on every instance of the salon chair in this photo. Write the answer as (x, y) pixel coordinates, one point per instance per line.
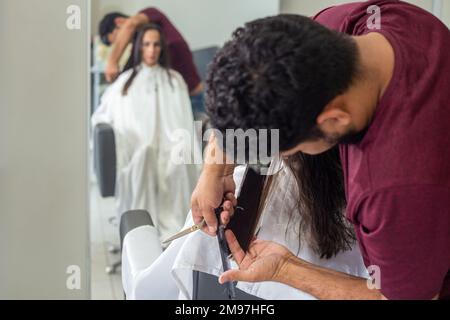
(105, 159)
(141, 247)
(105, 171)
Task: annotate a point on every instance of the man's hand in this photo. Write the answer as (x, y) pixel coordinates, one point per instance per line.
(213, 189)
(262, 262)
(111, 71)
(268, 261)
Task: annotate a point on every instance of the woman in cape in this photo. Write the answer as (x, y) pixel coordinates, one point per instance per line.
(156, 147)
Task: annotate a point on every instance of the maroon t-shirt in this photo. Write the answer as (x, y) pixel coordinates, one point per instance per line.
(398, 177)
(179, 53)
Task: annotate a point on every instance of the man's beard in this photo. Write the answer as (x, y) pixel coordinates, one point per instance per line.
(351, 137)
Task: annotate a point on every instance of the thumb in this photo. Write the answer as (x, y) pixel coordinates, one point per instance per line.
(235, 275)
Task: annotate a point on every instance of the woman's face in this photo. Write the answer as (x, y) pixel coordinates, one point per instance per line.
(151, 48)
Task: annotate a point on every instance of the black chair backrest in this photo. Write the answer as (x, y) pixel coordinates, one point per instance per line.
(131, 220)
(105, 159)
(207, 287)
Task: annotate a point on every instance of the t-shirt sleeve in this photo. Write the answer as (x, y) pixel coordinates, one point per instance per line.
(181, 60)
(406, 233)
(153, 15)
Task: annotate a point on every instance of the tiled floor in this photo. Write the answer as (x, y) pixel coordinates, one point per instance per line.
(103, 234)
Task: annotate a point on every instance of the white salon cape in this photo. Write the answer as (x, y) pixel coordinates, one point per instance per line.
(155, 139)
(171, 275)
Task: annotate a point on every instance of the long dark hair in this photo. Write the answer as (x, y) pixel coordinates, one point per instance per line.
(136, 52)
(321, 201)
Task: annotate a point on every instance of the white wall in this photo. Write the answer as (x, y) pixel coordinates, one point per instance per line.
(309, 8)
(446, 12)
(202, 22)
(43, 150)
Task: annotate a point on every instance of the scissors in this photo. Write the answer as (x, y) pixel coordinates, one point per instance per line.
(223, 247)
(196, 227)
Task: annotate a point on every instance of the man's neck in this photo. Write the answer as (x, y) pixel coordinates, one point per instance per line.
(377, 57)
(376, 61)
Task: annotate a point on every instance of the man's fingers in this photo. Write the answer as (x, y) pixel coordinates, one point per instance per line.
(235, 248)
(227, 213)
(110, 76)
(196, 214)
(211, 220)
(236, 275)
(225, 217)
(230, 196)
(228, 205)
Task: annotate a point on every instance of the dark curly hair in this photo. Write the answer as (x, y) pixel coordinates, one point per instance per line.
(279, 73)
(107, 25)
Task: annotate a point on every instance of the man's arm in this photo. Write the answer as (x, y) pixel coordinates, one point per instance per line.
(269, 261)
(325, 284)
(121, 42)
(405, 235)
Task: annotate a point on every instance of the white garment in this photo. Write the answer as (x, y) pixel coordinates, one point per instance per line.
(172, 271)
(145, 123)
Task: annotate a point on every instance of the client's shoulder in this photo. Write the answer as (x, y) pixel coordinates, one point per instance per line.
(124, 76)
(175, 75)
